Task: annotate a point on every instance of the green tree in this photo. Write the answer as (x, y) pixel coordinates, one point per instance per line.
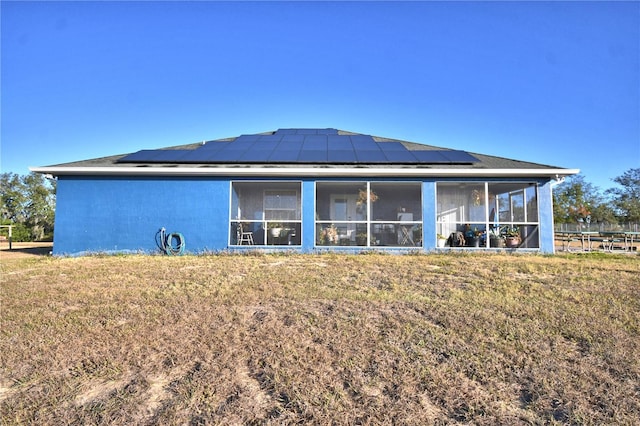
(627, 198)
(28, 202)
(578, 201)
(13, 198)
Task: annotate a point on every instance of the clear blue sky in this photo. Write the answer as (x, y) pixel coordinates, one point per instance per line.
(556, 83)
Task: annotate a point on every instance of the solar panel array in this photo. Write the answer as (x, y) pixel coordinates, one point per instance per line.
(301, 146)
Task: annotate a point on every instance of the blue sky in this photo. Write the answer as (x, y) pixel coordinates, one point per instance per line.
(556, 83)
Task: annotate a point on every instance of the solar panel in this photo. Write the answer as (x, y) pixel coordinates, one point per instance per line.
(391, 146)
(255, 156)
(430, 157)
(339, 142)
(259, 152)
(370, 156)
(284, 156)
(364, 142)
(201, 155)
(156, 156)
(327, 131)
(459, 157)
(169, 155)
(315, 142)
(213, 146)
(341, 156)
(285, 132)
(318, 146)
(246, 139)
(312, 156)
(400, 156)
(292, 138)
(140, 156)
(269, 138)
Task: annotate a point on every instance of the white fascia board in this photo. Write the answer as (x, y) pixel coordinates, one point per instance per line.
(300, 172)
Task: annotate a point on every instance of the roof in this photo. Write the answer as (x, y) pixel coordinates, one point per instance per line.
(306, 152)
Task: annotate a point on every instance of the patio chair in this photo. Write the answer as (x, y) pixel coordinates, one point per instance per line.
(244, 236)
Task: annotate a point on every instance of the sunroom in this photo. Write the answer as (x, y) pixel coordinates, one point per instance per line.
(487, 214)
(469, 214)
(265, 213)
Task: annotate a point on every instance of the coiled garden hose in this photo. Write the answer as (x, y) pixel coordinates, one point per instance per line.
(166, 242)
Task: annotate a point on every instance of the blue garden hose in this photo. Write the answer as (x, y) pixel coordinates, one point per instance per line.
(166, 242)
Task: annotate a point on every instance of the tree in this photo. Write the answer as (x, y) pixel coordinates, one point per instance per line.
(29, 203)
(577, 201)
(12, 196)
(627, 198)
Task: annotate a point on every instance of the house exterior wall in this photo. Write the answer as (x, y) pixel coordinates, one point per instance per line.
(113, 214)
(122, 214)
(545, 209)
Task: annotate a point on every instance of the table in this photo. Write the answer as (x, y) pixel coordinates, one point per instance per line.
(406, 235)
(628, 239)
(583, 236)
(627, 236)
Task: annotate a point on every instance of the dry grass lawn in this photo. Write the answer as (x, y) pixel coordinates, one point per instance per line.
(321, 339)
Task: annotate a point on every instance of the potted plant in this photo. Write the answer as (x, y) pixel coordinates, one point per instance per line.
(363, 197)
(329, 235)
(496, 239)
(512, 236)
(361, 239)
(275, 228)
(442, 240)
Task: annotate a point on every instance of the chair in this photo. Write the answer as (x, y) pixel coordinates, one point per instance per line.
(405, 235)
(244, 236)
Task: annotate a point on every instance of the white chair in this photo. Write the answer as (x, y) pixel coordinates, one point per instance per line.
(244, 236)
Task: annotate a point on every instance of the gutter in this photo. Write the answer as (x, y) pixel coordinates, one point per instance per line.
(300, 172)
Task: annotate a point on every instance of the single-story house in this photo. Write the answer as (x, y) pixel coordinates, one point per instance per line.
(304, 190)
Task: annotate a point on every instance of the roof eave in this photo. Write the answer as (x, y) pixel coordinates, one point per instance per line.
(302, 171)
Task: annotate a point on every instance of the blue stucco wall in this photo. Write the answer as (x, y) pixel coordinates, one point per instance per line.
(429, 215)
(110, 214)
(308, 214)
(545, 210)
(119, 214)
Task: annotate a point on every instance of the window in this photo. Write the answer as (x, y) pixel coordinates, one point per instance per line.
(488, 214)
(265, 213)
(369, 214)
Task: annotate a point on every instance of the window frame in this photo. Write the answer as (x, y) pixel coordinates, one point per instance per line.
(497, 216)
(263, 226)
(407, 232)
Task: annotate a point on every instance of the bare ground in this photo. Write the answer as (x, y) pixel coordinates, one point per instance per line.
(21, 250)
(320, 339)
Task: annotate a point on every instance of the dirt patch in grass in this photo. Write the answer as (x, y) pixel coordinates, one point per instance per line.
(21, 250)
(342, 339)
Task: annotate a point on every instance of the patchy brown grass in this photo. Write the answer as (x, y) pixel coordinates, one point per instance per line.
(342, 339)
